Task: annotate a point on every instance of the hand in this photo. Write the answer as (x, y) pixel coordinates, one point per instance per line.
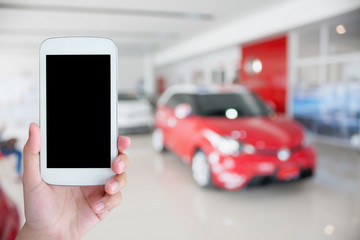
(58, 212)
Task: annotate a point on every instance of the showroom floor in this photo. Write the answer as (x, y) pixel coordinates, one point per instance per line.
(161, 201)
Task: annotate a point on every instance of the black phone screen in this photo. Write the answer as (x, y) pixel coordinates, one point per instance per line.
(78, 119)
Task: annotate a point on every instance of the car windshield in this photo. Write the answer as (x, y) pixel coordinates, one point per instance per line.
(231, 105)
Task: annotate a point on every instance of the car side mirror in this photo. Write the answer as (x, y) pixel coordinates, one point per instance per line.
(183, 110)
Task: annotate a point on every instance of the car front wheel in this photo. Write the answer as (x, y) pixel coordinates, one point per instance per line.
(158, 140)
(201, 170)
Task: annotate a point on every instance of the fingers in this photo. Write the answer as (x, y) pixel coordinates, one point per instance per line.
(120, 164)
(116, 184)
(120, 180)
(32, 148)
(123, 143)
(113, 195)
(106, 204)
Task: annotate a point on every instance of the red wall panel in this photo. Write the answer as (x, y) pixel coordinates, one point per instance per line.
(270, 84)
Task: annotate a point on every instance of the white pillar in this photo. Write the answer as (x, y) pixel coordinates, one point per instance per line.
(149, 77)
(292, 55)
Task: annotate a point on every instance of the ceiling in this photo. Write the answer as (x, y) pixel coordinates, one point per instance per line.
(137, 27)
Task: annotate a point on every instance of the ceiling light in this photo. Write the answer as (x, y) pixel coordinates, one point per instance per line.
(340, 29)
(329, 229)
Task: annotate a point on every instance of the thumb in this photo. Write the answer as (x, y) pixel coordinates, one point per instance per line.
(32, 148)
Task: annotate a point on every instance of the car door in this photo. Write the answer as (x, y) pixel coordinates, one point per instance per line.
(183, 128)
(166, 120)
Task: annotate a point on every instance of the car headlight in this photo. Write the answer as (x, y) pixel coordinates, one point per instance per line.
(225, 145)
(228, 145)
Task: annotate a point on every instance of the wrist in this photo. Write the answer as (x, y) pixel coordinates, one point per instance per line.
(27, 233)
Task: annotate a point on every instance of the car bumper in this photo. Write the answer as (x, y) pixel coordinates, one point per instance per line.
(137, 129)
(135, 124)
(235, 172)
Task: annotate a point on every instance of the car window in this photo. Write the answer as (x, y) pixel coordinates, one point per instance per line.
(173, 101)
(181, 98)
(245, 104)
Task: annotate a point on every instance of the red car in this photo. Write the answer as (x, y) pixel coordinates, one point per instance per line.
(230, 137)
(9, 218)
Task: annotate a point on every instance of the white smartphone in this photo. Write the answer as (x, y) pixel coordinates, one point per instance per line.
(78, 110)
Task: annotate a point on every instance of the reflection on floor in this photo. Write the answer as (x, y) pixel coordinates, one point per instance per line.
(161, 201)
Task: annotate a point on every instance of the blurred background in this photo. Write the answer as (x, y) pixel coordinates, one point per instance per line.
(301, 57)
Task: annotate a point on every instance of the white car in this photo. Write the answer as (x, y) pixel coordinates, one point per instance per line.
(135, 113)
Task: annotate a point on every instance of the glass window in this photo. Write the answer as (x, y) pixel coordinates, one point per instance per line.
(329, 106)
(307, 78)
(305, 100)
(344, 86)
(218, 76)
(309, 43)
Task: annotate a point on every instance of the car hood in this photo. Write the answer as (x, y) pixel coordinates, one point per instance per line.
(262, 132)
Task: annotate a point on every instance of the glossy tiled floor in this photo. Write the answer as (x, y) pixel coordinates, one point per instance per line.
(162, 202)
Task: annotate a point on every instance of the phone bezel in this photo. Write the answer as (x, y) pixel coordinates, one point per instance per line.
(77, 46)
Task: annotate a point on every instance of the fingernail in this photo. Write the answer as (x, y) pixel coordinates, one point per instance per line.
(125, 143)
(99, 207)
(127, 139)
(103, 215)
(114, 186)
(122, 166)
